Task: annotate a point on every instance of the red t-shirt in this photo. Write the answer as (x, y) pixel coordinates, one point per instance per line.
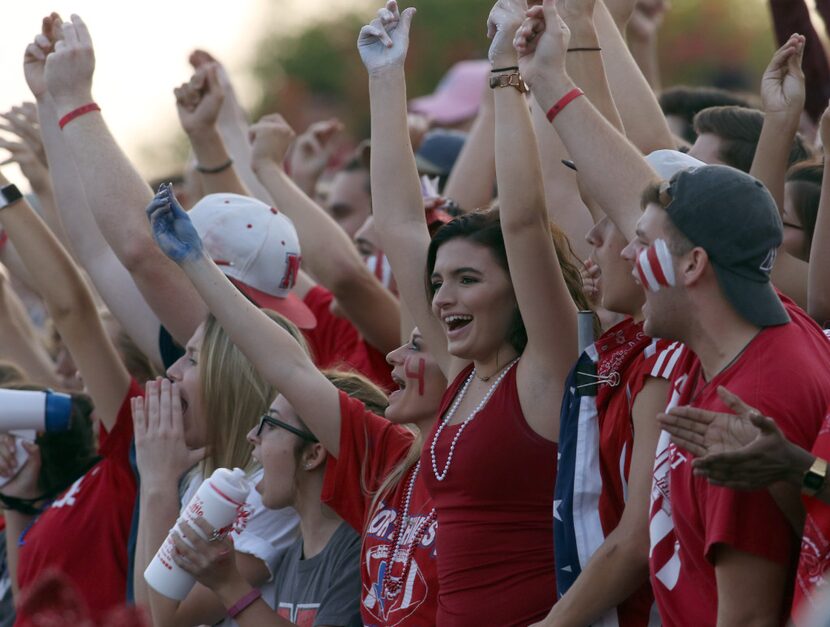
(815, 543)
(651, 359)
(495, 511)
(785, 373)
(336, 343)
(84, 532)
(370, 448)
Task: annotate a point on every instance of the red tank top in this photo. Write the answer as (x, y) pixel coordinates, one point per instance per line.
(495, 521)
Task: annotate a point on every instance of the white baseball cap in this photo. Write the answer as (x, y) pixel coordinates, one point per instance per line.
(257, 248)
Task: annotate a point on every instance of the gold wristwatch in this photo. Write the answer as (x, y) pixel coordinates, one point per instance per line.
(814, 478)
(514, 79)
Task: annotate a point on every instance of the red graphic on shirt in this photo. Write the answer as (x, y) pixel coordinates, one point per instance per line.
(292, 268)
(379, 561)
(416, 374)
(301, 614)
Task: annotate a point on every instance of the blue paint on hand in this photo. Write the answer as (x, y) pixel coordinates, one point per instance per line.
(172, 228)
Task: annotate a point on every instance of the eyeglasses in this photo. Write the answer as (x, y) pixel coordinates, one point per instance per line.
(268, 420)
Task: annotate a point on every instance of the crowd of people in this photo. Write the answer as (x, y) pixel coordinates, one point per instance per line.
(546, 350)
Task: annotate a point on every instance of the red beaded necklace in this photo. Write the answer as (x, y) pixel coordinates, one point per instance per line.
(392, 585)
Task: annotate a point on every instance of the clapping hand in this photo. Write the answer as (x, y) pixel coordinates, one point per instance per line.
(782, 86)
(745, 450)
(69, 67)
(270, 138)
(542, 42)
(172, 228)
(199, 101)
(383, 42)
(504, 20)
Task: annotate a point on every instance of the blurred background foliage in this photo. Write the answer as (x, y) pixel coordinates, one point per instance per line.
(317, 72)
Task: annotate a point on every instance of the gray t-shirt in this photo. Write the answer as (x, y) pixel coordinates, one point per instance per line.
(323, 590)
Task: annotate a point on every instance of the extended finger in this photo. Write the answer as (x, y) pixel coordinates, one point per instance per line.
(139, 419)
(166, 418)
(81, 30)
(689, 418)
(152, 406)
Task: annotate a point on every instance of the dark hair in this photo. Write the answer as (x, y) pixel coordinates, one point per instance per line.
(65, 455)
(484, 227)
(739, 130)
(356, 165)
(806, 179)
(685, 102)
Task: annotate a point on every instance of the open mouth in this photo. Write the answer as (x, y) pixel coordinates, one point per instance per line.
(457, 321)
(401, 383)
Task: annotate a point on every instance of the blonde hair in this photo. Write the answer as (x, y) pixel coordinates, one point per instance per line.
(234, 395)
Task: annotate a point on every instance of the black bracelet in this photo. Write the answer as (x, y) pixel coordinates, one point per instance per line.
(216, 170)
(584, 49)
(24, 506)
(505, 69)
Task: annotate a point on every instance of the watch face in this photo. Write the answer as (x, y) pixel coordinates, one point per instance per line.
(813, 481)
(10, 194)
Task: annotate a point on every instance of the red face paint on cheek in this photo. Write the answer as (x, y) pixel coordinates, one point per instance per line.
(416, 374)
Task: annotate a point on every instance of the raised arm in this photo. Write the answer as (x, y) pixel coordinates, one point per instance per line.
(472, 180)
(271, 349)
(114, 189)
(645, 124)
(19, 341)
(613, 170)
(232, 124)
(537, 278)
(71, 307)
(328, 253)
(396, 191)
(109, 276)
(198, 103)
(818, 287)
(311, 153)
(782, 97)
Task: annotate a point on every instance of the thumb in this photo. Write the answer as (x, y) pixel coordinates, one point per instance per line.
(766, 425)
(733, 401)
(194, 456)
(406, 18)
(551, 12)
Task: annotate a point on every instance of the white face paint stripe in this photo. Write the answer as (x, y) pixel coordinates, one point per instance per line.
(645, 271)
(664, 257)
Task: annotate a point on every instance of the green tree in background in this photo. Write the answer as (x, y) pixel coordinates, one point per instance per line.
(318, 73)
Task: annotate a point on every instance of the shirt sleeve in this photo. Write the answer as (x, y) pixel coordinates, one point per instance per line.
(370, 447)
(340, 605)
(334, 339)
(115, 444)
(268, 532)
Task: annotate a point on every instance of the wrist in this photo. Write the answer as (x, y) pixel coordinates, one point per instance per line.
(799, 462)
(583, 33)
(69, 102)
(386, 72)
(230, 591)
(264, 164)
(550, 90)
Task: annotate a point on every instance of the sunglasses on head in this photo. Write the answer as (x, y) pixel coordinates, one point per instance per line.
(273, 422)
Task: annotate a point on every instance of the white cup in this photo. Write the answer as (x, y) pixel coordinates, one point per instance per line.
(219, 500)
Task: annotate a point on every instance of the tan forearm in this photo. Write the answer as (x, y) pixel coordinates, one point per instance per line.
(211, 154)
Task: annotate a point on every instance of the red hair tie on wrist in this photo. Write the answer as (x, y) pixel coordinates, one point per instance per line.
(563, 102)
(76, 113)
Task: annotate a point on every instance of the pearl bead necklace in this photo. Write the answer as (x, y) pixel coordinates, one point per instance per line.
(440, 476)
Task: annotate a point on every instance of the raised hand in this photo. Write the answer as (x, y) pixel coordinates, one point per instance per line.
(162, 455)
(744, 450)
(313, 149)
(782, 85)
(69, 67)
(34, 59)
(24, 485)
(271, 138)
(383, 42)
(542, 42)
(26, 150)
(211, 563)
(824, 129)
(647, 18)
(172, 228)
(504, 20)
(199, 101)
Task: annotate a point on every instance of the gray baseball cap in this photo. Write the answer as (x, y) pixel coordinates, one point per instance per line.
(733, 217)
